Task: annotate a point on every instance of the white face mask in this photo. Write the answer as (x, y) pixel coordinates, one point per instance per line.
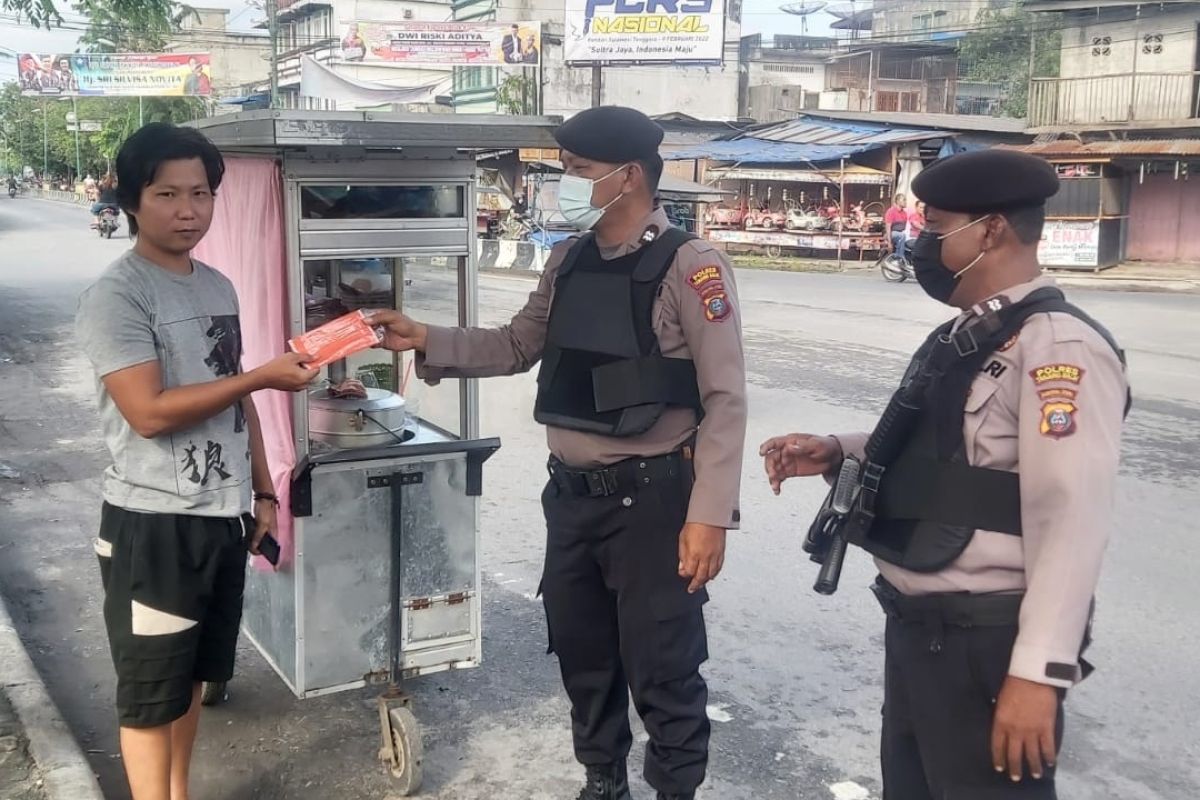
(575, 200)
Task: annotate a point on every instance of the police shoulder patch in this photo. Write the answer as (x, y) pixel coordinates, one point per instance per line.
(717, 307)
(1058, 418)
(706, 278)
(1056, 373)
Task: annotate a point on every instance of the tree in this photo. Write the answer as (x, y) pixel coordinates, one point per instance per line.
(111, 31)
(517, 94)
(997, 51)
(45, 13)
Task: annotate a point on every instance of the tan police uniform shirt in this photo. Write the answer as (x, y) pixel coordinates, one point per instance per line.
(696, 316)
(1049, 404)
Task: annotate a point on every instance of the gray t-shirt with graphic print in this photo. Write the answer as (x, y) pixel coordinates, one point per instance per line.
(138, 312)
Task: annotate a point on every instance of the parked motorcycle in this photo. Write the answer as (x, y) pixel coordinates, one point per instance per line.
(895, 267)
(110, 221)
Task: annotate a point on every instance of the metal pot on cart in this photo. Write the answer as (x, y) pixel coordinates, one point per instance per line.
(379, 581)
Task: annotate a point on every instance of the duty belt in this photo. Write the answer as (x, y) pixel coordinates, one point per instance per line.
(624, 476)
(958, 609)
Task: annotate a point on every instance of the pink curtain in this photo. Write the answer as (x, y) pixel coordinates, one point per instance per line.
(246, 243)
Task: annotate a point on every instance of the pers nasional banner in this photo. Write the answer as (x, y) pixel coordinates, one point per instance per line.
(115, 74)
(444, 43)
(630, 32)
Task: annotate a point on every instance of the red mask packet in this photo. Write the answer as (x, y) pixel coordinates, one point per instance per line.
(336, 339)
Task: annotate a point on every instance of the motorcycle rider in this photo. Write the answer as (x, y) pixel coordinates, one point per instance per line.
(896, 220)
(12, 186)
(106, 199)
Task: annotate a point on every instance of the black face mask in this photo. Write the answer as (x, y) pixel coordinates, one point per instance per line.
(938, 280)
(935, 278)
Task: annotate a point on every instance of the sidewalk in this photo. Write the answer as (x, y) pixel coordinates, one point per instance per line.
(1135, 276)
(39, 759)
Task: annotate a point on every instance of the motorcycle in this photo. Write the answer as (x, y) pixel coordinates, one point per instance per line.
(110, 220)
(12, 190)
(895, 267)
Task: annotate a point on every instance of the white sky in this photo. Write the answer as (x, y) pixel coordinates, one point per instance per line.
(757, 16)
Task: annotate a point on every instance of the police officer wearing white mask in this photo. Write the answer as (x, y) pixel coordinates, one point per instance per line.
(642, 391)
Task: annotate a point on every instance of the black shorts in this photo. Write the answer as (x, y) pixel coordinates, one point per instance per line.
(172, 606)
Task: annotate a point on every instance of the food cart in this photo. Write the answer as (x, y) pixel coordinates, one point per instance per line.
(321, 213)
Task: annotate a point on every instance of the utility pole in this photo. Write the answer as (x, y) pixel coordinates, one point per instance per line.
(45, 143)
(597, 78)
(75, 111)
(273, 28)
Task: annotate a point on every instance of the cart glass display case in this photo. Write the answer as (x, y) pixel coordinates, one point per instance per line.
(398, 407)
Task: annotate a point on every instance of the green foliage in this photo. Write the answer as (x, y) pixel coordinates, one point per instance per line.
(115, 26)
(45, 14)
(517, 94)
(997, 51)
(22, 131)
(112, 30)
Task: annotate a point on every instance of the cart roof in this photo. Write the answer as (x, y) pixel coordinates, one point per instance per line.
(273, 129)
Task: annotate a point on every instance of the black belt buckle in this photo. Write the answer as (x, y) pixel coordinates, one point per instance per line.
(601, 482)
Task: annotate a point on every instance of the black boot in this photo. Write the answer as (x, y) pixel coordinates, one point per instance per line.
(608, 782)
(688, 796)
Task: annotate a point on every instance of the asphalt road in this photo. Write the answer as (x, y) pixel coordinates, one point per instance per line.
(795, 677)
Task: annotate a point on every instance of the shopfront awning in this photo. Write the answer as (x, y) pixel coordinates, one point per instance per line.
(852, 175)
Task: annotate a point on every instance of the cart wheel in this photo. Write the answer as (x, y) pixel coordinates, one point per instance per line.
(213, 694)
(407, 756)
(774, 251)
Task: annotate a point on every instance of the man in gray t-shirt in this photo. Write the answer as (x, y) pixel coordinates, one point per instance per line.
(138, 312)
(162, 334)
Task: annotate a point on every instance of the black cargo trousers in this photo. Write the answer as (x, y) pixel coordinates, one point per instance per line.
(621, 621)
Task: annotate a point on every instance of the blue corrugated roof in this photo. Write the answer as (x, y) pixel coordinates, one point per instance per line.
(803, 139)
(810, 130)
(760, 151)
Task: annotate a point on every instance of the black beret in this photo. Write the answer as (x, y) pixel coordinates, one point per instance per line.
(610, 134)
(986, 181)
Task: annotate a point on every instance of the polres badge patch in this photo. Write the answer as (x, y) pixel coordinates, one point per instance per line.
(1058, 419)
(717, 307)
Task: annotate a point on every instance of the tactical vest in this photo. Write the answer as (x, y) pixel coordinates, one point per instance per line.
(602, 370)
(920, 502)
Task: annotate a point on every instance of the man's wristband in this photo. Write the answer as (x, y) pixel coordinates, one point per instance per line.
(266, 497)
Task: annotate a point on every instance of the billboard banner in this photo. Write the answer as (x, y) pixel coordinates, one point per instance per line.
(115, 74)
(631, 32)
(489, 44)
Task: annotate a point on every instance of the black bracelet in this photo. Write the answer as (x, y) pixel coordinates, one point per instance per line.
(266, 496)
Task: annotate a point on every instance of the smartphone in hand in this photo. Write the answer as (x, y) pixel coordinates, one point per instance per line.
(269, 549)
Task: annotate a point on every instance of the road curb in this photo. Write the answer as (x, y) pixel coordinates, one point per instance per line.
(61, 763)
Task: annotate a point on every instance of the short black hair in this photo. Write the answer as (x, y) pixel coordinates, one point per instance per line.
(143, 153)
(1027, 223)
(652, 167)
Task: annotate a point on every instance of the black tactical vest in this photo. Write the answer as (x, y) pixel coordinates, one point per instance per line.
(920, 502)
(602, 371)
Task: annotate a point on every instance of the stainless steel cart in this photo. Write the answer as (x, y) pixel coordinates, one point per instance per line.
(384, 585)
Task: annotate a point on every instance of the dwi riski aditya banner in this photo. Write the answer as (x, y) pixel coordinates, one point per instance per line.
(115, 74)
(444, 43)
(615, 32)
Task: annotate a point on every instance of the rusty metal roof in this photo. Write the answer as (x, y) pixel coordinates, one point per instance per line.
(1130, 148)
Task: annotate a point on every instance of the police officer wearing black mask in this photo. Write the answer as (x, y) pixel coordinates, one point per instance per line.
(984, 493)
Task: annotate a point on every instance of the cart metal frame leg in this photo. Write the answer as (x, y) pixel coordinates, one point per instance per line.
(401, 748)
